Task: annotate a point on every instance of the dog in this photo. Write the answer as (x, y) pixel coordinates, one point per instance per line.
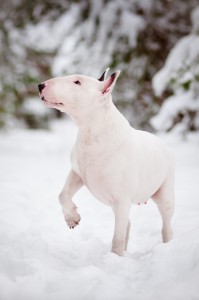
(120, 165)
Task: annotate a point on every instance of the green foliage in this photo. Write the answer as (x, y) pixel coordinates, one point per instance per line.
(186, 85)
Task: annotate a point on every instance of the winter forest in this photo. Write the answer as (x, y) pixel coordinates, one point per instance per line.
(155, 44)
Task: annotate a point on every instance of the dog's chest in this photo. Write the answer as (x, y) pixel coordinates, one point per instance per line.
(89, 166)
(94, 168)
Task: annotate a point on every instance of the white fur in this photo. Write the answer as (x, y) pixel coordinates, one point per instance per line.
(118, 164)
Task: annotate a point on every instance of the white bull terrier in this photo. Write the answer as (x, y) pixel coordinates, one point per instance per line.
(117, 163)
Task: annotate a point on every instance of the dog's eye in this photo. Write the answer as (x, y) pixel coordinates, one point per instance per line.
(77, 82)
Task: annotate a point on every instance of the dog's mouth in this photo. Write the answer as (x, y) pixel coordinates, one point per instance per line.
(50, 103)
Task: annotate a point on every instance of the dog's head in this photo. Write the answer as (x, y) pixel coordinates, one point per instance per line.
(77, 94)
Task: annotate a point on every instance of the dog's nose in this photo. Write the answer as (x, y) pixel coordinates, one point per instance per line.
(41, 86)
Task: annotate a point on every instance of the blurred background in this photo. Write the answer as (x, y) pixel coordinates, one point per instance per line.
(154, 42)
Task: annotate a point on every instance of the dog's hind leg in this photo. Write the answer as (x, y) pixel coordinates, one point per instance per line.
(127, 235)
(72, 185)
(122, 227)
(164, 198)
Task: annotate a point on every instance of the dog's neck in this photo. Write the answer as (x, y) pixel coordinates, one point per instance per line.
(97, 121)
(106, 122)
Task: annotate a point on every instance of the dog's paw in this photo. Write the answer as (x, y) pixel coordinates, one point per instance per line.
(72, 217)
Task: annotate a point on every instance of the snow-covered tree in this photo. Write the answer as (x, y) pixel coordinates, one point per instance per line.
(180, 77)
(42, 39)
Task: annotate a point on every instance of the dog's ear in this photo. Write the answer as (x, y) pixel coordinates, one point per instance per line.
(103, 76)
(109, 83)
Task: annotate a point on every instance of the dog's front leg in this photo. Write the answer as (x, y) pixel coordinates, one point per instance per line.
(122, 227)
(72, 185)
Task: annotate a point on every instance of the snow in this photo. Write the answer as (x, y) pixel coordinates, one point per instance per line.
(174, 105)
(47, 35)
(40, 258)
(89, 40)
(184, 54)
(182, 59)
(179, 76)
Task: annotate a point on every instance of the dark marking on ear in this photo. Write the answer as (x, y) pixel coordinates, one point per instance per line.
(102, 77)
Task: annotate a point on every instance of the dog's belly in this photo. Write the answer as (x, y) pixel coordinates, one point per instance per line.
(136, 187)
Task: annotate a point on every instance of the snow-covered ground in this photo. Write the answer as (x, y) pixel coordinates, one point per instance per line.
(40, 258)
